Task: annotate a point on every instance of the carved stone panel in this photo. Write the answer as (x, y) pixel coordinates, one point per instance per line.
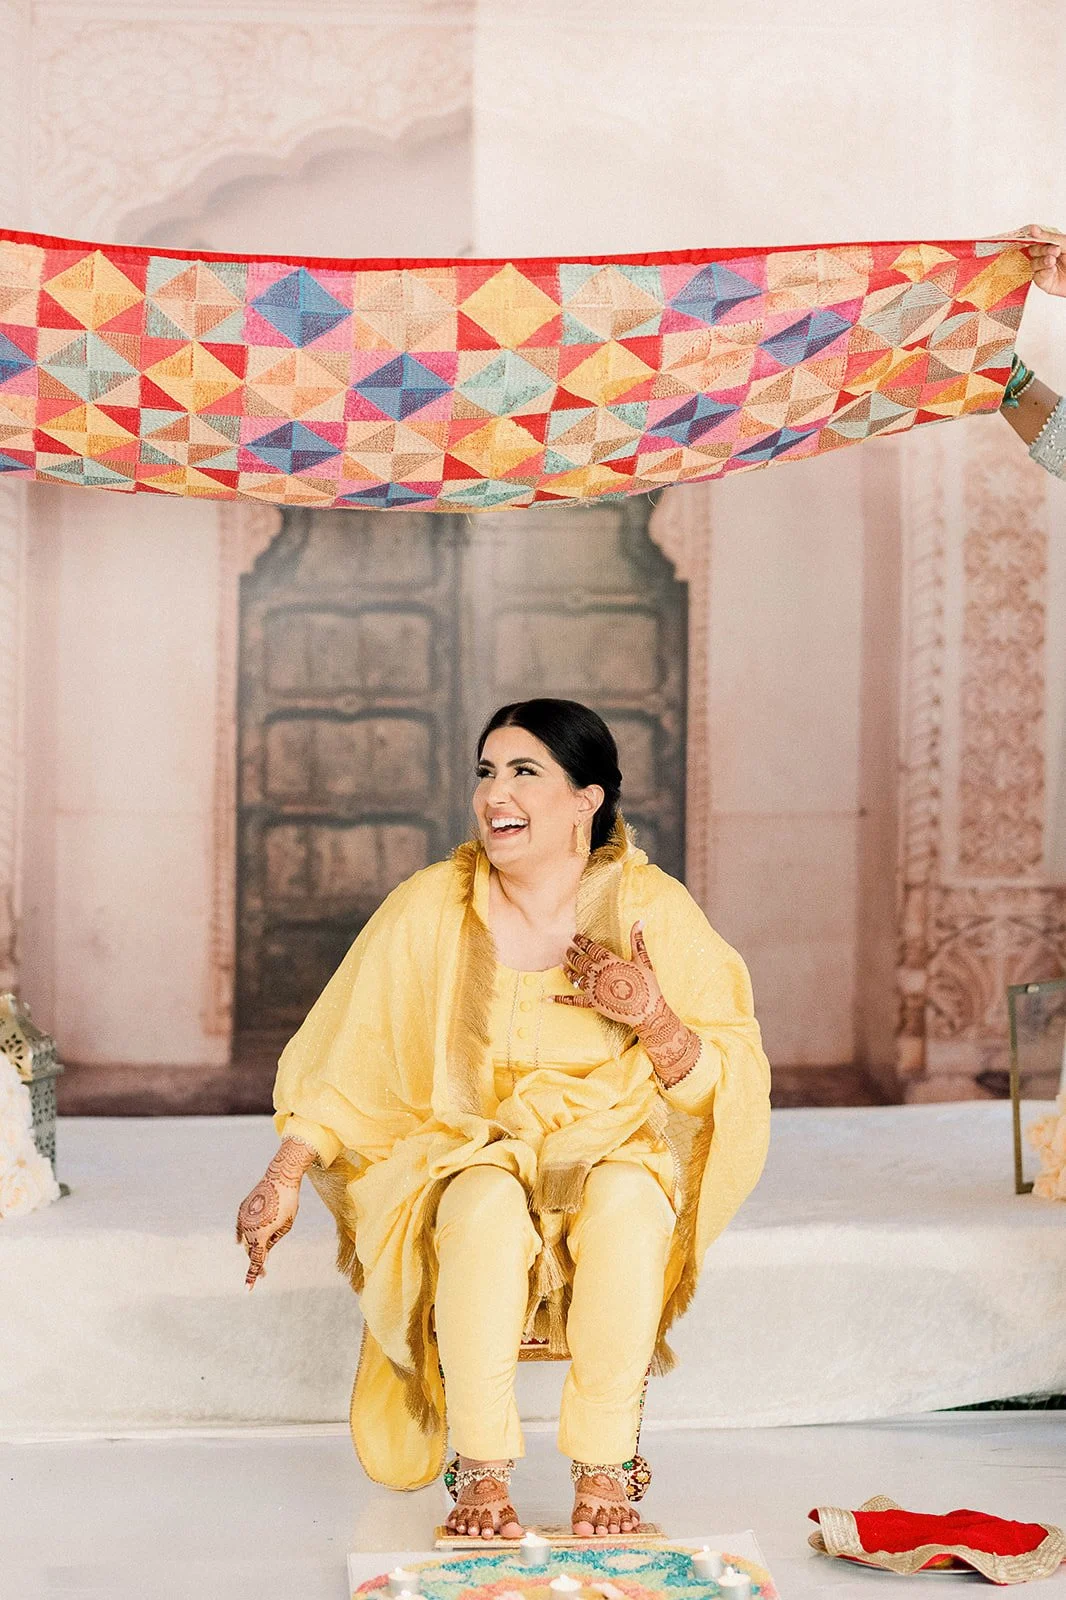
(977, 909)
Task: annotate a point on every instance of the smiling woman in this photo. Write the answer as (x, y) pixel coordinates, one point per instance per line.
(548, 788)
(540, 1041)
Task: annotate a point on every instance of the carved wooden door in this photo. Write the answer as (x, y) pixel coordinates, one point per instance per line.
(373, 647)
(580, 603)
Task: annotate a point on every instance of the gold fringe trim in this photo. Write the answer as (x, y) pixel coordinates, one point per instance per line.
(468, 1037)
(684, 1250)
(545, 1317)
(560, 1188)
(546, 1326)
(331, 1184)
(419, 1397)
(597, 908)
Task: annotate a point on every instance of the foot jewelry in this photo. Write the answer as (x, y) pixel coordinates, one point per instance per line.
(634, 1475)
(456, 1479)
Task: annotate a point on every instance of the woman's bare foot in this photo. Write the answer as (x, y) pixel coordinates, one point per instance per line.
(600, 1506)
(484, 1507)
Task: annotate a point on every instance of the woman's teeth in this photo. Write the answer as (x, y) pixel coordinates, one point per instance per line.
(506, 824)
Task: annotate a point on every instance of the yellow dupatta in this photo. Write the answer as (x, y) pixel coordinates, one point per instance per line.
(390, 1078)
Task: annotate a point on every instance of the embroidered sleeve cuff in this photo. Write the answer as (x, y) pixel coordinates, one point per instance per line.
(321, 1139)
(695, 1091)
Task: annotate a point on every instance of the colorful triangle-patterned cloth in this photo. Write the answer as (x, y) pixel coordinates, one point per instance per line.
(474, 385)
(881, 1534)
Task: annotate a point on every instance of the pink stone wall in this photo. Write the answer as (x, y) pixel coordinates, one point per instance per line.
(841, 637)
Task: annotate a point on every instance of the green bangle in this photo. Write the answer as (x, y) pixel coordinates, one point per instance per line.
(1020, 378)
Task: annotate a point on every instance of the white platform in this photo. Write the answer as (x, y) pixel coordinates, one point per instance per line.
(271, 1517)
(884, 1266)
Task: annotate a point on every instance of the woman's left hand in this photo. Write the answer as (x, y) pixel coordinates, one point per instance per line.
(628, 992)
(625, 991)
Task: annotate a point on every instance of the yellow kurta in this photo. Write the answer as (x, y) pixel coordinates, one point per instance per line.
(393, 1079)
(545, 1060)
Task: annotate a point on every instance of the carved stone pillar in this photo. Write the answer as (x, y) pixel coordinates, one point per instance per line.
(978, 909)
(15, 22)
(12, 534)
(246, 529)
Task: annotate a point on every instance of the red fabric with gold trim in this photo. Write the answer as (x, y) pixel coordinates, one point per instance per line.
(882, 1534)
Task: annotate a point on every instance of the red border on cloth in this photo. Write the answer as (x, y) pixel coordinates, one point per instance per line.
(654, 258)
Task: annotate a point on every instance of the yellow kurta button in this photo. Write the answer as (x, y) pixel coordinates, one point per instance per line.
(529, 978)
(526, 1005)
(523, 1033)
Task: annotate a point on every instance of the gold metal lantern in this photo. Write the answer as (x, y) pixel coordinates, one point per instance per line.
(33, 1055)
(1037, 1013)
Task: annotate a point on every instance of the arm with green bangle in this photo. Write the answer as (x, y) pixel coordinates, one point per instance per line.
(1035, 412)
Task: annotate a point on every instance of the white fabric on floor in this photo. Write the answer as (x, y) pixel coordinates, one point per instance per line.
(883, 1266)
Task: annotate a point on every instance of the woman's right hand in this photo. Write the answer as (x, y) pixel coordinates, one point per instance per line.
(1048, 255)
(267, 1214)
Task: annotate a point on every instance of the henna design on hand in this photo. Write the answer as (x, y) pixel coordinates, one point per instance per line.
(674, 1048)
(620, 990)
(628, 992)
(260, 1208)
(625, 991)
(292, 1160)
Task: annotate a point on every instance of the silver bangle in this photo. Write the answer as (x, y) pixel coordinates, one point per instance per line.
(1048, 449)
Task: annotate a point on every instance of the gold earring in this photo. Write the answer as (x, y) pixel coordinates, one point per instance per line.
(581, 842)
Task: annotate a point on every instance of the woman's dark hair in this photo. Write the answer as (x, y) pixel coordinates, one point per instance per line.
(579, 740)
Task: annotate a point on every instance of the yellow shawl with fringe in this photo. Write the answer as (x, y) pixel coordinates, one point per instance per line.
(390, 1079)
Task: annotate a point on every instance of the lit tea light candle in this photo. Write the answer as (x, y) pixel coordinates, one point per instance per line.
(401, 1581)
(734, 1585)
(707, 1564)
(564, 1584)
(533, 1549)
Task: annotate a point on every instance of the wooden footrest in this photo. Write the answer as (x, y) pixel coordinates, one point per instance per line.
(559, 1538)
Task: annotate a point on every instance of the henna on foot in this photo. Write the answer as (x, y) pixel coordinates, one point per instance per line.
(600, 1506)
(483, 1506)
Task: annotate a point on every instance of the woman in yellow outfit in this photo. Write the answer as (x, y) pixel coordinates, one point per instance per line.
(532, 1094)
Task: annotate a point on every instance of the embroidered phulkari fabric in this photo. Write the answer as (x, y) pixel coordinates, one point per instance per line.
(468, 385)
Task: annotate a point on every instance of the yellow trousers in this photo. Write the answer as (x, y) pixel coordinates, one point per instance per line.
(486, 1244)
